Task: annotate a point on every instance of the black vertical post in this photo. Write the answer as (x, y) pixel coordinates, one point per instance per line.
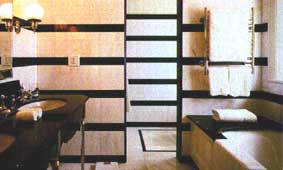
(179, 77)
(125, 79)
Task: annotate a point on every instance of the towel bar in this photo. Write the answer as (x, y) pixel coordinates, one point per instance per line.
(206, 63)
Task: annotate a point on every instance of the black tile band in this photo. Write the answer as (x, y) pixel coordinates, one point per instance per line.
(80, 28)
(149, 16)
(153, 102)
(200, 27)
(152, 81)
(105, 127)
(259, 61)
(151, 124)
(89, 93)
(93, 158)
(151, 38)
(29, 61)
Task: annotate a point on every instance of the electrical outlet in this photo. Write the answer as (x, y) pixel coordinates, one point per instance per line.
(74, 61)
(6, 61)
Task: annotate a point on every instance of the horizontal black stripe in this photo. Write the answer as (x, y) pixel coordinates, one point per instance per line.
(151, 60)
(29, 61)
(254, 94)
(151, 38)
(192, 27)
(93, 158)
(80, 28)
(102, 60)
(153, 103)
(261, 27)
(200, 27)
(149, 16)
(152, 81)
(89, 93)
(151, 124)
(259, 61)
(105, 127)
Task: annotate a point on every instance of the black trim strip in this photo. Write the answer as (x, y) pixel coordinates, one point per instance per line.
(261, 27)
(259, 61)
(193, 28)
(80, 28)
(200, 27)
(151, 60)
(93, 158)
(29, 61)
(254, 94)
(102, 60)
(151, 124)
(142, 140)
(105, 127)
(150, 16)
(151, 38)
(154, 103)
(89, 93)
(152, 81)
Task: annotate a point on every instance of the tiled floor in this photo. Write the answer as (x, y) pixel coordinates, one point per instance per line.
(139, 160)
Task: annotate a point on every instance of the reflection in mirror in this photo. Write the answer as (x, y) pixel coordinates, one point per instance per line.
(5, 39)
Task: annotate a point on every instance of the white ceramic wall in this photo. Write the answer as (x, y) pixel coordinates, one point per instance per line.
(267, 85)
(23, 45)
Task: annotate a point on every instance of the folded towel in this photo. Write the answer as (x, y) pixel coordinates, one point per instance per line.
(233, 115)
(240, 80)
(29, 114)
(219, 80)
(229, 36)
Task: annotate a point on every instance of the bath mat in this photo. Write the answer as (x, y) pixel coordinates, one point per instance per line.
(158, 140)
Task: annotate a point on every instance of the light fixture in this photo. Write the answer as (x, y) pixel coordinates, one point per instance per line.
(6, 14)
(33, 13)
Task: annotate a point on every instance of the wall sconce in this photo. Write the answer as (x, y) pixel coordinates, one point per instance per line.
(33, 13)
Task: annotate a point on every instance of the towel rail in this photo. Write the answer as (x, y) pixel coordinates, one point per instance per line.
(206, 63)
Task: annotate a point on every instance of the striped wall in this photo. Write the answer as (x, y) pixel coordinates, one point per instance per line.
(92, 44)
(162, 41)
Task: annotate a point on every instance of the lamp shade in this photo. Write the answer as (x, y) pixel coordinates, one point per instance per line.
(34, 11)
(6, 11)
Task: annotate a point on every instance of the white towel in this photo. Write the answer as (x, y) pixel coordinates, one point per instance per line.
(240, 80)
(233, 115)
(219, 80)
(229, 36)
(29, 114)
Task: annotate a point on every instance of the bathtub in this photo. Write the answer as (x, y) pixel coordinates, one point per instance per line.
(248, 149)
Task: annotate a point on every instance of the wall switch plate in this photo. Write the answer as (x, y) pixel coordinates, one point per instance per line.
(6, 61)
(74, 61)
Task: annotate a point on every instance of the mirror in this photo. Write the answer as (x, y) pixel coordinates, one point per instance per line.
(5, 40)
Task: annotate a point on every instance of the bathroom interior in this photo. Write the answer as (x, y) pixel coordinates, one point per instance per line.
(141, 84)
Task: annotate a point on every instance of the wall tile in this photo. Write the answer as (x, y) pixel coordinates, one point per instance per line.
(152, 27)
(83, 11)
(152, 7)
(81, 78)
(151, 49)
(83, 44)
(104, 110)
(152, 71)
